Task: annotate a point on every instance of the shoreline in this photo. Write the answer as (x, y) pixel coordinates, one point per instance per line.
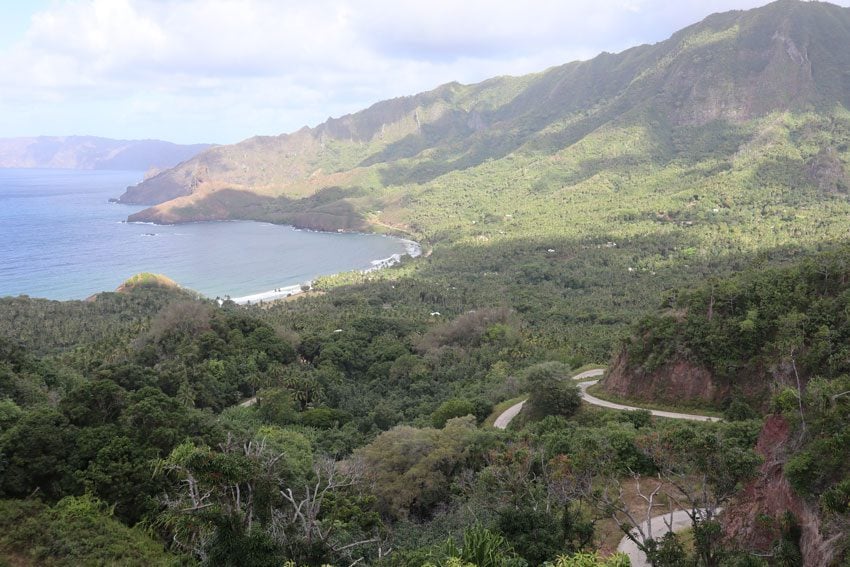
(412, 249)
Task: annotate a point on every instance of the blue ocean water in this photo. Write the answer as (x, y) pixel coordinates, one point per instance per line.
(60, 238)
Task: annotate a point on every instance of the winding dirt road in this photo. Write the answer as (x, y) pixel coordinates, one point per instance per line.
(507, 416)
(678, 521)
(611, 405)
(672, 521)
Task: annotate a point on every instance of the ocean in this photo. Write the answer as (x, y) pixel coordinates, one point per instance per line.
(60, 238)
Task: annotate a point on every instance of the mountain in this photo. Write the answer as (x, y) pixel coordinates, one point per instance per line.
(690, 97)
(89, 152)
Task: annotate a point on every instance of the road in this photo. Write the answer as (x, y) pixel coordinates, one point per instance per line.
(611, 405)
(506, 416)
(680, 521)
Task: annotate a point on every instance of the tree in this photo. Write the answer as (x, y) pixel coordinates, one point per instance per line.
(36, 451)
(411, 469)
(455, 407)
(256, 497)
(551, 392)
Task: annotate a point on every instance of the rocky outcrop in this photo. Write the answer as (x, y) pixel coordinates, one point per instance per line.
(675, 382)
(755, 517)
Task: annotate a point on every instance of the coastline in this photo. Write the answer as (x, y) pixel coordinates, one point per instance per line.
(412, 249)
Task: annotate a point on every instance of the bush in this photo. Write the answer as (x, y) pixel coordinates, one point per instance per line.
(739, 410)
(551, 392)
(324, 418)
(455, 407)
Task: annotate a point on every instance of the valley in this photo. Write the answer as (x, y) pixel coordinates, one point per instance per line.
(675, 213)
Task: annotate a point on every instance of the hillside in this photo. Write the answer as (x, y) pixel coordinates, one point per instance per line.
(768, 341)
(741, 337)
(579, 195)
(696, 98)
(683, 206)
(89, 152)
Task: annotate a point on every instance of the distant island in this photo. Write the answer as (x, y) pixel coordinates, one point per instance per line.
(90, 152)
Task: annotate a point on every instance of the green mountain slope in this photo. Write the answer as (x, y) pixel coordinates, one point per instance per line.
(690, 98)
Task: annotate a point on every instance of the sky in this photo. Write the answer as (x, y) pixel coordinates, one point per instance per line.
(221, 71)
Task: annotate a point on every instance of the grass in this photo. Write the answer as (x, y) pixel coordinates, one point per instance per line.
(597, 391)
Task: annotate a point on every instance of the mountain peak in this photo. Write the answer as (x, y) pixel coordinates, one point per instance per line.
(732, 67)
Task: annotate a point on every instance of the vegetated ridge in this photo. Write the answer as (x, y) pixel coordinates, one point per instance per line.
(691, 99)
(622, 191)
(90, 152)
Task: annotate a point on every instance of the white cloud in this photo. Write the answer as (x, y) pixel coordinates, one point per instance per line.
(221, 70)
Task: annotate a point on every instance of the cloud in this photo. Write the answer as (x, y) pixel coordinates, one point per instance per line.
(221, 70)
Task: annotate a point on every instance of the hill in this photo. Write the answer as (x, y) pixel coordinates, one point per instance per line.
(698, 98)
(89, 152)
(688, 186)
(741, 337)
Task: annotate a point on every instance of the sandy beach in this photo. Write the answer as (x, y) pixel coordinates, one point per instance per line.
(412, 249)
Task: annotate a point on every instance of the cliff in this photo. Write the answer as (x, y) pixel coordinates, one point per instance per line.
(756, 517)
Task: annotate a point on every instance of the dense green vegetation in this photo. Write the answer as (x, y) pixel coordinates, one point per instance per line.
(600, 207)
(320, 468)
(777, 336)
(758, 327)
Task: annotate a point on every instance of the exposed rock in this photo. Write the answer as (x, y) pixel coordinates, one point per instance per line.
(674, 382)
(753, 519)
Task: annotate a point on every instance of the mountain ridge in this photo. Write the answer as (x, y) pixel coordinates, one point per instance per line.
(93, 152)
(727, 70)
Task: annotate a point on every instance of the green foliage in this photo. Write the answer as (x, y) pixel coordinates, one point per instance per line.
(449, 409)
(591, 560)
(669, 552)
(739, 410)
(819, 470)
(791, 319)
(551, 392)
(36, 452)
(535, 535)
(76, 531)
(481, 548)
(277, 406)
(559, 209)
(10, 413)
(411, 468)
(294, 451)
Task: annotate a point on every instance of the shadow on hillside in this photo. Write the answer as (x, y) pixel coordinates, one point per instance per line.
(580, 296)
(329, 209)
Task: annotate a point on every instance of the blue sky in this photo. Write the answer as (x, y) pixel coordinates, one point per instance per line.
(223, 70)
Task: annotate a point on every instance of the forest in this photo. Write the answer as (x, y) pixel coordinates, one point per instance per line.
(595, 216)
(369, 437)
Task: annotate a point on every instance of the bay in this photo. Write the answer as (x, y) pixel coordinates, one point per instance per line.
(60, 238)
